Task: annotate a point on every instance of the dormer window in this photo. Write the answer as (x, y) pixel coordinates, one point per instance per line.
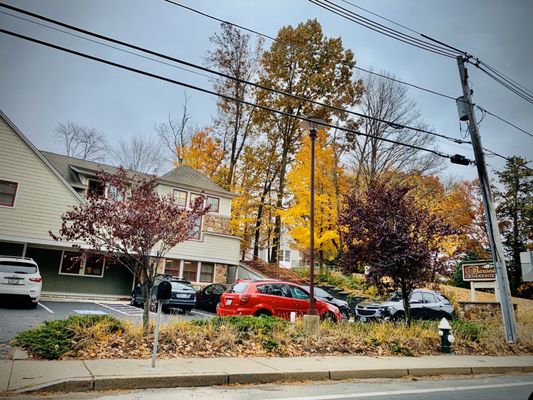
(96, 187)
(181, 197)
(213, 203)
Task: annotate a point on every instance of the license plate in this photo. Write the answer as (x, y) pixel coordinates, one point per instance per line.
(363, 319)
(182, 296)
(13, 281)
(229, 301)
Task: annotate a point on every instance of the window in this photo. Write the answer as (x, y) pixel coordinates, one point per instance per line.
(207, 272)
(284, 255)
(429, 298)
(94, 265)
(8, 191)
(194, 196)
(181, 197)
(73, 263)
(298, 293)
(196, 229)
(417, 297)
(96, 188)
(189, 270)
(213, 203)
(114, 193)
(172, 267)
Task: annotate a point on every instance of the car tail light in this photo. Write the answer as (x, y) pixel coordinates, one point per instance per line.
(245, 298)
(36, 279)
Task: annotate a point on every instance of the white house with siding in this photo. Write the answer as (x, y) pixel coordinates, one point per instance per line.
(37, 187)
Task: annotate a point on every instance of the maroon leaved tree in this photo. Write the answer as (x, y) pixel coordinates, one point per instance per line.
(387, 230)
(131, 224)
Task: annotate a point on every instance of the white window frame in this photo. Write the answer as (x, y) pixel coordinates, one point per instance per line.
(82, 266)
(207, 203)
(16, 193)
(174, 190)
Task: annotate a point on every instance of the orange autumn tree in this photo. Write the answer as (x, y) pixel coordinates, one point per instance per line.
(203, 153)
(328, 174)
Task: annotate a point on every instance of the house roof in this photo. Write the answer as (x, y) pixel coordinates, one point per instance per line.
(182, 176)
(41, 156)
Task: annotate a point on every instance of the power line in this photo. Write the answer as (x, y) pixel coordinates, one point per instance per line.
(197, 88)
(255, 32)
(384, 30)
(226, 76)
(504, 83)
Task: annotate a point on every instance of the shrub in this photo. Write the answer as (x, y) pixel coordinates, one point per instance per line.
(53, 339)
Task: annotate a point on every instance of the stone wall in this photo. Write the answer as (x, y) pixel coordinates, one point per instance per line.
(217, 224)
(480, 310)
(221, 273)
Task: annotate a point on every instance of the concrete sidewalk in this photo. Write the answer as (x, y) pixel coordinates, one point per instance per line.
(31, 375)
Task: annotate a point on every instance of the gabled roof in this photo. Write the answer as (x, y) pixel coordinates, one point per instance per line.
(183, 176)
(188, 176)
(41, 156)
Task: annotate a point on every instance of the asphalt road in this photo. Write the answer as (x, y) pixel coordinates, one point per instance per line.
(15, 318)
(504, 387)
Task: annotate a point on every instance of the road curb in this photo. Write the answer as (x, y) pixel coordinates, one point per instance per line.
(217, 379)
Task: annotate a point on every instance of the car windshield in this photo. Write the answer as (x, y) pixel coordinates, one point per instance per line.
(13, 267)
(181, 286)
(238, 287)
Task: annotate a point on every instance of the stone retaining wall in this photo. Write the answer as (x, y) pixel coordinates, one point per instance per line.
(480, 310)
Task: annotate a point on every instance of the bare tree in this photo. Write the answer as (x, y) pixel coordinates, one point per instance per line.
(140, 154)
(387, 100)
(175, 134)
(81, 141)
(237, 56)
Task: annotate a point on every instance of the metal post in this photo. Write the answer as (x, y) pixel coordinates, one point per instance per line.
(312, 310)
(156, 337)
(508, 316)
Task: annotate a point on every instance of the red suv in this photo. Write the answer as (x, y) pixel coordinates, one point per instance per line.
(270, 297)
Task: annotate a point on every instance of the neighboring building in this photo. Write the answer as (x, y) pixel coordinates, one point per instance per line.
(288, 257)
(37, 187)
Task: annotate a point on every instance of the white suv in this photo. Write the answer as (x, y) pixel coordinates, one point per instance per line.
(19, 276)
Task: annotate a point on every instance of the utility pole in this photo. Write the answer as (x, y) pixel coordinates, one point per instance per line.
(496, 247)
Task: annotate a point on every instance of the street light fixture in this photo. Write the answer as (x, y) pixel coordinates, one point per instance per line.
(312, 124)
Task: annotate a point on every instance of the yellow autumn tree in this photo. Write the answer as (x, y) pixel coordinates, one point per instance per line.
(203, 153)
(328, 174)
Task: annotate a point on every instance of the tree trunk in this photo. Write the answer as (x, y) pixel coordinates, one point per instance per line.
(405, 298)
(279, 205)
(145, 288)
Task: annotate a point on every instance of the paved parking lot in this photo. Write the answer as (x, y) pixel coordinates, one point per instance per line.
(15, 319)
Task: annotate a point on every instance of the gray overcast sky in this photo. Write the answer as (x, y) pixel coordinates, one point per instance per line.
(41, 87)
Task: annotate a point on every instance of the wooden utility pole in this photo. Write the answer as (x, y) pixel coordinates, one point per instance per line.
(496, 247)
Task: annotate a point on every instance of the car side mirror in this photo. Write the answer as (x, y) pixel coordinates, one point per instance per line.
(164, 290)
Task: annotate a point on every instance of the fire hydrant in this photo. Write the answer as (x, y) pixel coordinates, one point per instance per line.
(446, 337)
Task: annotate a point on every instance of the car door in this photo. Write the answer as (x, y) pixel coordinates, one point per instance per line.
(202, 297)
(416, 305)
(300, 299)
(432, 307)
(214, 296)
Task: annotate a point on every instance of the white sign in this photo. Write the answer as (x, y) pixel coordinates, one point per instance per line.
(526, 260)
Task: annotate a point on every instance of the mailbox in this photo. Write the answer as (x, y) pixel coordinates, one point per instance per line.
(164, 290)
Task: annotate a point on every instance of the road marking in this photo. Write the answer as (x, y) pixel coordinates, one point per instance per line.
(46, 308)
(410, 391)
(111, 308)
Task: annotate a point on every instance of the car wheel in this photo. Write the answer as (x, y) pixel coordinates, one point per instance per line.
(345, 314)
(33, 304)
(262, 312)
(398, 317)
(328, 316)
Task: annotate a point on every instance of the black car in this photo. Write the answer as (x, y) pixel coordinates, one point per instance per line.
(208, 297)
(325, 296)
(424, 304)
(183, 295)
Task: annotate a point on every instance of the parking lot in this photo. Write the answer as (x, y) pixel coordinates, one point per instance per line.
(16, 318)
